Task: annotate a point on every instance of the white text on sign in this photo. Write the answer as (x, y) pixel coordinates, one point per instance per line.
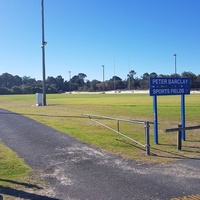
(169, 81)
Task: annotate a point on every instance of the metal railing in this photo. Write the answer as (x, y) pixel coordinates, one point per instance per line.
(145, 123)
(179, 133)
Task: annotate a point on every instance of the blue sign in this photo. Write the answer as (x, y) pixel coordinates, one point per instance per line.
(169, 86)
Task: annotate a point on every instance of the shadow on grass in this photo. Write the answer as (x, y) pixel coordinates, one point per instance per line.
(190, 151)
(131, 144)
(44, 115)
(169, 145)
(22, 194)
(63, 116)
(169, 155)
(28, 185)
(18, 193)
(198, 141)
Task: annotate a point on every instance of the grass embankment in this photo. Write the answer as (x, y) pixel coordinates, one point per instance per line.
(64, 113)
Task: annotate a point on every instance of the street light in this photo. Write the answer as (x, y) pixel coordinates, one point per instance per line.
(43, 55)
(103, 79)
(69, 82)
(175, 64)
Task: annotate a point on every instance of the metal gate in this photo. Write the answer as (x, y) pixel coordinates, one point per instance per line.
(145, 123)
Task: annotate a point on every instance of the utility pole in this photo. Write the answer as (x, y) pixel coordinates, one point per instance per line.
(43, 56)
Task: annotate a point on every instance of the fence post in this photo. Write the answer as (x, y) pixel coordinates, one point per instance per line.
(179, 138)
(147, 126)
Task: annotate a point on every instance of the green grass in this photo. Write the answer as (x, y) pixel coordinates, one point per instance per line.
(64, 113)
(11, 166)
(17, 178)
(14, 173)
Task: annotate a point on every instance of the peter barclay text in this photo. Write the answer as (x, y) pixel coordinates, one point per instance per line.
(169, 81)
(169, 86)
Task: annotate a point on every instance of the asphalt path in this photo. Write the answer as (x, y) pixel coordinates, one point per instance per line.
(75, 170)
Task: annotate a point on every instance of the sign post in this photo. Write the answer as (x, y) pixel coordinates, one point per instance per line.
(155, 116)
(168, 86)
(183, 115)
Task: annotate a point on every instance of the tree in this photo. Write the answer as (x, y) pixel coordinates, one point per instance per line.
(27, 80)
(198, 82)
(77, 81)
(17, 90)
(18, 81)
(5, 91)
(130, 79)
(82, 76)
(7, 80)
(192, 77)
(60, 83)
(50, 80)
(116, 78)
(153, 75)
(132, 73)
(144, 82)
(94, 85)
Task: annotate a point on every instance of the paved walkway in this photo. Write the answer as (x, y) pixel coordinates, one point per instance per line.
(75, 170)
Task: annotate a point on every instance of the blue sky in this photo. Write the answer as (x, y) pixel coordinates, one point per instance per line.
(83, 35)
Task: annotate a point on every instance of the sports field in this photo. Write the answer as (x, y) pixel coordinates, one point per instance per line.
(64, 112)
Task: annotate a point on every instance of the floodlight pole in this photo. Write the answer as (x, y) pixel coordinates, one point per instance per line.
(43, 56)
(175, 65)
(114, 75)
(129, 76)
(103, 80)
(70, 82)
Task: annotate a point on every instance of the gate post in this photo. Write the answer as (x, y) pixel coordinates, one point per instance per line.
(118, 125)
(147, 126)
(179, 138)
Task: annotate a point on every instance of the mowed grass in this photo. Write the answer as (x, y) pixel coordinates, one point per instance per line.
(11, 166)
(64, 112)
(14, 173)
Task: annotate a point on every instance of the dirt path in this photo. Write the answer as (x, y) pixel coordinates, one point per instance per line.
(76, 170)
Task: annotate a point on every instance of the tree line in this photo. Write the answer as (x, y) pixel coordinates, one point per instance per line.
(10, 84)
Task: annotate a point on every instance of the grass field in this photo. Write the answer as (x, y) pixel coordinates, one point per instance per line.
(64, 113)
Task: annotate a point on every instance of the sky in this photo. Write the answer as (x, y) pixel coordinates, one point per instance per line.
(83, 35)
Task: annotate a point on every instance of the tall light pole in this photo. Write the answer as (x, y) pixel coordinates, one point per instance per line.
(70, 82)
(103, 79)
(175, 64)
(43, 56)
(129, 75)
(114, 74)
